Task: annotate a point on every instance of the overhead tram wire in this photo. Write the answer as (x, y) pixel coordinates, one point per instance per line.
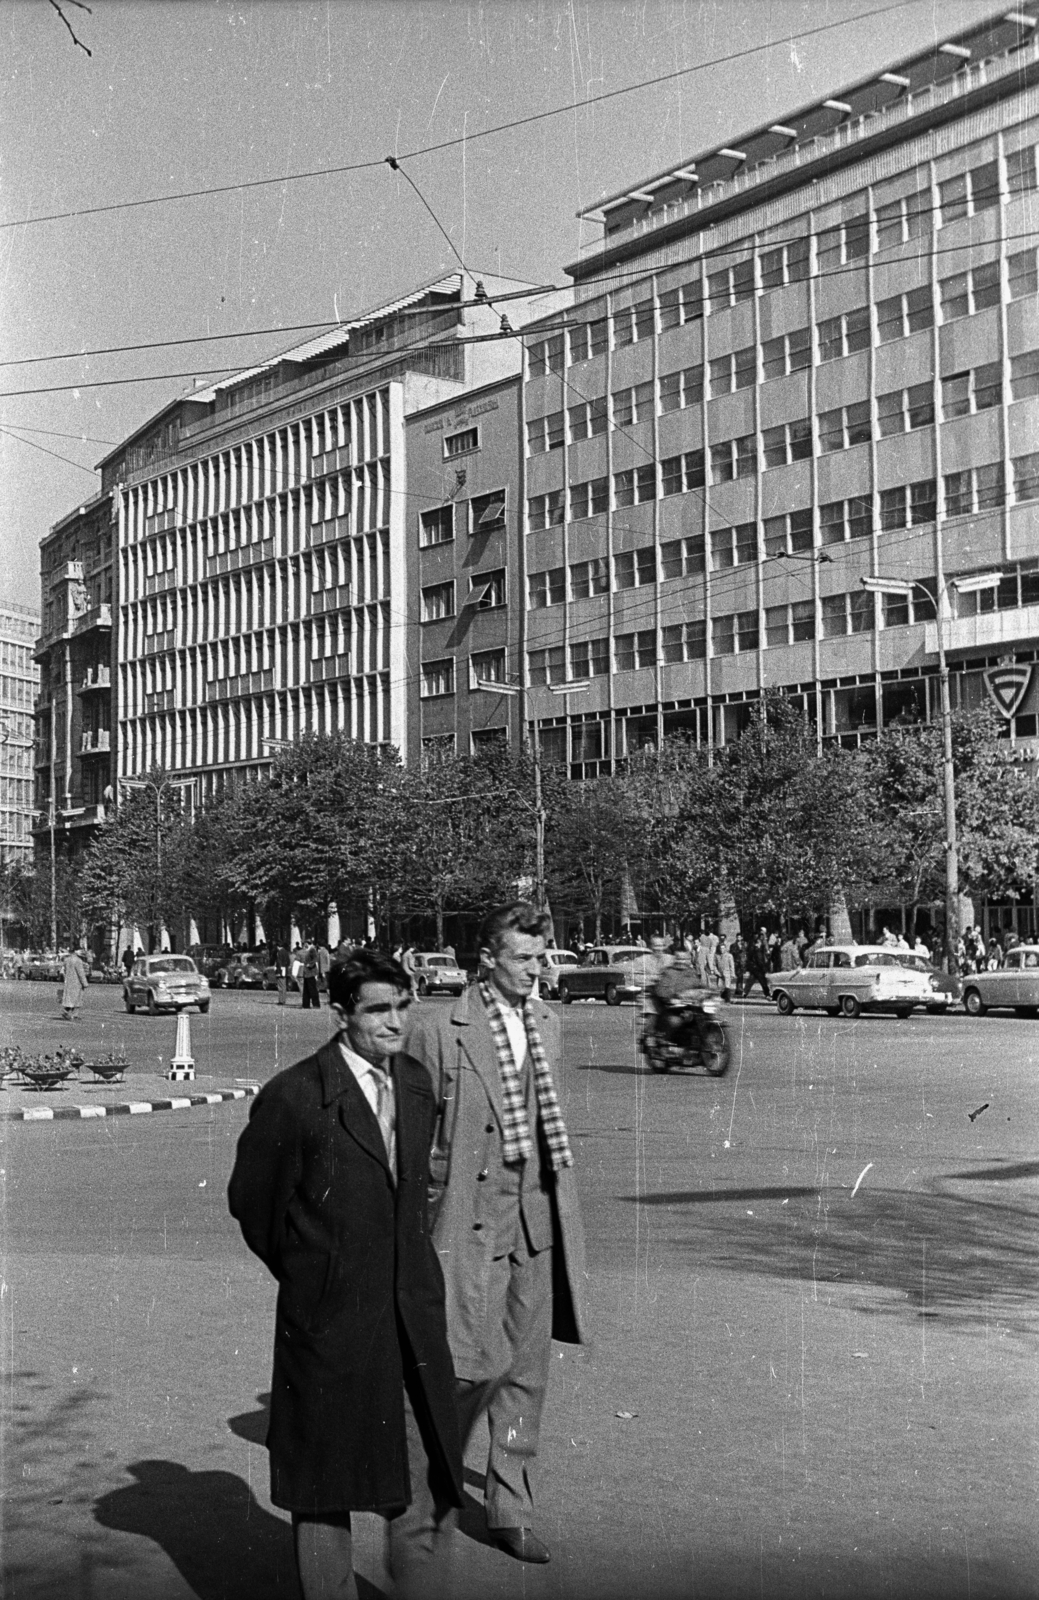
(33, 445)
(461, 139)
(544, 327)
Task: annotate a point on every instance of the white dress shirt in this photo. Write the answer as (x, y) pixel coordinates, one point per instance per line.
(371, 1079)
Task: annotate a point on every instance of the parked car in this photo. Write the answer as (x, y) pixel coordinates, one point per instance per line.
(1014, 985)
(847, 979)
(438, 974)
(554, 962)
(243, 971)
(165, 983)
(949, 984)
(40, 968)
(270, 978)
(211, 960)
(609, 972)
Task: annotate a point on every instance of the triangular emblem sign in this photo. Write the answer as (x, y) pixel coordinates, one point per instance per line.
(1007, 685)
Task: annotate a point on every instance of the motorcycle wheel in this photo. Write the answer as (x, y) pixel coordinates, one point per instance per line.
(714, 1049)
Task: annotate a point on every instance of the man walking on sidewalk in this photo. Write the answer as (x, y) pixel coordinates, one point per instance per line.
(507, 1227)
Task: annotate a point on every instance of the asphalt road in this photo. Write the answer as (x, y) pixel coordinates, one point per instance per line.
(814, 1293)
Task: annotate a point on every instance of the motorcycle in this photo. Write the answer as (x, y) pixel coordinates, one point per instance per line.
(687, 1034)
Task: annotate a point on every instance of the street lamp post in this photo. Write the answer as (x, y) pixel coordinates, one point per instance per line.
(487, 686)
(158, 789)
(940, 601)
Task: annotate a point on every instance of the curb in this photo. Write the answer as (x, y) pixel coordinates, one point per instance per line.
(129, 1108)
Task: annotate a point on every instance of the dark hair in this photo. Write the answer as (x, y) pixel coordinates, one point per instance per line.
(346, 979)
(520, 917)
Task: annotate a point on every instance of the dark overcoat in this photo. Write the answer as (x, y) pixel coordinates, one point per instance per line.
(360, 1290)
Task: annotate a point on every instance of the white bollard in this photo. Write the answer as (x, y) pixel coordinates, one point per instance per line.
(182, 1067)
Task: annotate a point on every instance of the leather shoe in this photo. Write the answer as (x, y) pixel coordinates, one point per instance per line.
(522, 1543)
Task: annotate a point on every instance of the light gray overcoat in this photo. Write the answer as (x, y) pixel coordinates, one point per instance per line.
(458, 1051)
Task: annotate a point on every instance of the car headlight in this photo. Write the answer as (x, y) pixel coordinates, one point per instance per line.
(709, 1008)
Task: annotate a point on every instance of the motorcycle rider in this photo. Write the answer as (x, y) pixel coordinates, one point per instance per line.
(671, 986)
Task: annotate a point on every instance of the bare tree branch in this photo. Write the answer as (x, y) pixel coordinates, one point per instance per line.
(82, 7)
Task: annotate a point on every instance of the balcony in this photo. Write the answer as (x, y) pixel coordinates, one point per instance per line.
(330, 600)
(97, 617)
(96, 678)
(96, 742)
(247, 555)
(325, 532)
(245, 684)
(330, 667)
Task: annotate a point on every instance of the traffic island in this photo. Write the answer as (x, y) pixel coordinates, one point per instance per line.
(77, 1099)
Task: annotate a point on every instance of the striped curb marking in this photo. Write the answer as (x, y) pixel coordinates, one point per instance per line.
(131, 1108)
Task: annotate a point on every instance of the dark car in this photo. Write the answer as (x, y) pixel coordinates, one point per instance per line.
(609, 972)
(211, 960)
(243, 972)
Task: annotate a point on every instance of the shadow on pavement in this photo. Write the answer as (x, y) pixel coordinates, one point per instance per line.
(222, 1542)
(969, 1260)
(252, 1425)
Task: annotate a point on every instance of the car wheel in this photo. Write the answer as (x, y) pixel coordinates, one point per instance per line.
(421, 988)
(784, 1004)
(203, 1007)
(153, 1009)
(973, 1004)
(903, 1011)
(714, 1050)
(128, 1003)
(564, 994)
(611, 996)
(849, 1006)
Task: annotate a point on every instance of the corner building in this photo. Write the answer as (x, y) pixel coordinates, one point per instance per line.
(19, 681)
(262, 581)
(792, 363)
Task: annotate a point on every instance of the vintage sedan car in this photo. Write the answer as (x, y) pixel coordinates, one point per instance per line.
(40, 968)
(1013, 986)
(436, 973)
(554, 963)
(165, 983)
(847, 979)
(243, 972)
(609, 972)
(212, 960)
(949, 985)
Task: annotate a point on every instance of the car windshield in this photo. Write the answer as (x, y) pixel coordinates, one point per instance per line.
(438, 961)
(172, 964)
(627, 955)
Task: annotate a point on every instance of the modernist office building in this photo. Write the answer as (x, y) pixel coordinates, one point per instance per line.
(794, 362)
(74, 651)
(262, 578)
(19, 677)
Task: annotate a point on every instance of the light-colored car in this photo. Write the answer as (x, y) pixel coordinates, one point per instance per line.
(436, 973)
(847, 979)
(609, 972)
(165, 983)
(1014, 985)
(553, 963)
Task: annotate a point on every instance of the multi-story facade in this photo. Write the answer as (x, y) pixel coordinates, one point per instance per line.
(262, 574)
(74, 705)
(463, 571)
(19, 678)
(802, 360)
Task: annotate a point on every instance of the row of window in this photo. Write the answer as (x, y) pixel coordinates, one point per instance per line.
(484, 513)
(896, 318)
(964, 195)
(901, 506)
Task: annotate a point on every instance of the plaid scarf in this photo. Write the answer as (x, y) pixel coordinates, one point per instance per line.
(518, 1143)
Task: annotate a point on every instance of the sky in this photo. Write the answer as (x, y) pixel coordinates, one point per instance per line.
(192, 94)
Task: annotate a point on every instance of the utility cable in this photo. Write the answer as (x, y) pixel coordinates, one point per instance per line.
(462, 139)
(67, 459)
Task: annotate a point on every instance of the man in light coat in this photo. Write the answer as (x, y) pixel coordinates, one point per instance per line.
(330, 1188)
(76, 979)
(507, 1227)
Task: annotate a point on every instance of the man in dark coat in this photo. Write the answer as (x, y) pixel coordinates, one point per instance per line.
(508, 1227)
(330, 1187)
